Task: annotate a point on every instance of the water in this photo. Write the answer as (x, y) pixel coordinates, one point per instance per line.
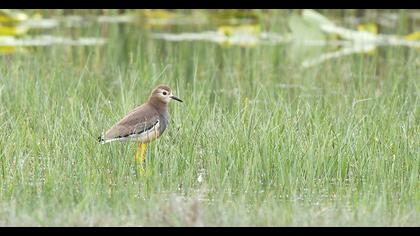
(305, 31)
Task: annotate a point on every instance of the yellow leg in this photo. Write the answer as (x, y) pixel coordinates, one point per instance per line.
(141, 151)
(143, 147)
(140, 156)
(138, 152)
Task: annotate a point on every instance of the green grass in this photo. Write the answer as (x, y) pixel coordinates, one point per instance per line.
(270, 155)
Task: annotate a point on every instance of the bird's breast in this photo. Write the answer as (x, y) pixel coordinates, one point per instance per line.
(163, 122)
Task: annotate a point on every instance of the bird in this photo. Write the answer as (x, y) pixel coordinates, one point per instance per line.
(145, 123)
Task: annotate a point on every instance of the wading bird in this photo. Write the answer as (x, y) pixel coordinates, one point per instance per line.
(145, 123)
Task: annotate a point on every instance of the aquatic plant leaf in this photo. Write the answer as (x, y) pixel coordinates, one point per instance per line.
(9, 16)
(47, 40)
(211, 36)
(337, 54)
(228, 30)
(349, 34)
(226, 35)
(162, 18)
(234, 17)
(304, 30)
(315, 18)
(158, 13)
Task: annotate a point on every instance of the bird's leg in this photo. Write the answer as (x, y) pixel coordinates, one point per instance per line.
(141, 151)
(143, 147)
(138, 152)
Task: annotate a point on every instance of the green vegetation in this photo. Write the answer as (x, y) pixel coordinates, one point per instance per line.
(258, 141)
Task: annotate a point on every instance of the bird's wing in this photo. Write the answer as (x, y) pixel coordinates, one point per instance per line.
(141, 119)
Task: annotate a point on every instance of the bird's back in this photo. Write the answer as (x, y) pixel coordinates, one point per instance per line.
(137, 121)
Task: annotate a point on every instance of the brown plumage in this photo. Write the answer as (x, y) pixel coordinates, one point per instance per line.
(146, 122)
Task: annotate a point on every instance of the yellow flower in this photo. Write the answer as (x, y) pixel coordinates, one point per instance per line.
(227, 30)
(370, 27)
(413, 36)
(13, 30)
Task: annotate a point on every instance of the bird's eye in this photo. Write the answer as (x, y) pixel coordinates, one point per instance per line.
(164, 93)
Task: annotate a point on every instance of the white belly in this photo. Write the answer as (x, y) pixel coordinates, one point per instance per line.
(144, 137)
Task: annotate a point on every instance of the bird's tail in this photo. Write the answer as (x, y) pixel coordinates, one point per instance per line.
(101, 140)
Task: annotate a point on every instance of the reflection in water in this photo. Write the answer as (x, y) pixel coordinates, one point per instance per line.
(308, 30)
(12, 45)
(48, 40)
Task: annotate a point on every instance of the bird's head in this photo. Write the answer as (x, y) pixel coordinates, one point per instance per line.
(163, 94)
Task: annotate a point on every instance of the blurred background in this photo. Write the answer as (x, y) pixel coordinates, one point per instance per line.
(355, 31)
(290, 117)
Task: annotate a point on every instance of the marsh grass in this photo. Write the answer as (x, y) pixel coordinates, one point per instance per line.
(274, 144)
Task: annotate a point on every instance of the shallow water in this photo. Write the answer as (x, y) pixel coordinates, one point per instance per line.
(317, 38)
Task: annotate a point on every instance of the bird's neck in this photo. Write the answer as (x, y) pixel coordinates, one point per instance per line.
(157, 104)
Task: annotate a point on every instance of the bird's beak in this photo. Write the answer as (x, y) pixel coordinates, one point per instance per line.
(175, 98)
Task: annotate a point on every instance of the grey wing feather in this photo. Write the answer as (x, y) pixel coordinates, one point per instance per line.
(141, 119)
(143, 126)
